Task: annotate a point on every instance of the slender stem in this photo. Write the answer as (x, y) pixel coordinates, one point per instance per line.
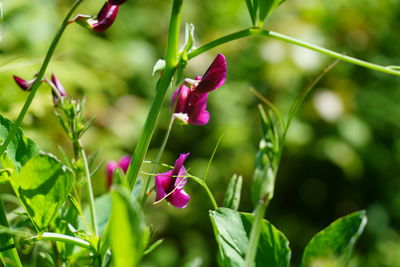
(10, 256)
(65, 239)
(173, 35)
(57, 260)
(255, 234)
(394, 70)
(205, 187)
(36, 84)
(225, 39)
(150, 123)
(89, 190)
(148, 128)
(162, 87)
(291, 40)
(158, 158)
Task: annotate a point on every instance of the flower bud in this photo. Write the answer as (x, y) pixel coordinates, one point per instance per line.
(101, 22)
(57, 89)
(116, 2)
(24, 84)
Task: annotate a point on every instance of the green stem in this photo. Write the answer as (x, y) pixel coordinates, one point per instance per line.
(225, 39)
(150, 123)
(158, 158)
(162, 87)
(291, 40)
(255, 234)
(89, 190)
(36, 84)
(10, 256)
(205, 187)
(259, 32)
(65, 239)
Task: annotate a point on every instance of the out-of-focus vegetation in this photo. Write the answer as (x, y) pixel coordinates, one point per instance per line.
(343, 149)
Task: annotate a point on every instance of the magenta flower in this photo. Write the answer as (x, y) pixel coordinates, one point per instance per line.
(191, 97)
(24, 84)
(102, 21)
(57, 89)
(112, 166)
(169, 185)
(116, 2)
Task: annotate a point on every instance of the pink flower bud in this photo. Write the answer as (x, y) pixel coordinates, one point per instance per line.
(24, 84)
(58, 89)
(101, 22)
(112, 166)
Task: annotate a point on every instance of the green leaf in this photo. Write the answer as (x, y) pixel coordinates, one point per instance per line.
(252, 11)
(233, 192)
(153, 246)
(42, 185)
(20, 149)
(333, 245)
(129, 234)
(266, 7)
(232, 230)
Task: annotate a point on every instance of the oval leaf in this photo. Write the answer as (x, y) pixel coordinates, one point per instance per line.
(42, 185)
(232, 230)
(333, 245)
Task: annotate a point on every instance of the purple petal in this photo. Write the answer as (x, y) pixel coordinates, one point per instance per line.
(106, 17)
(23, 84)
(184, 93)
(163, 183)
(179, 199)
(179, 163)
(124, 163)
(197, 112)
(180, 179)
(214, 77)
(110, 167)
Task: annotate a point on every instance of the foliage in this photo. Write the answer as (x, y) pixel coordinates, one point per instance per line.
(341, 150)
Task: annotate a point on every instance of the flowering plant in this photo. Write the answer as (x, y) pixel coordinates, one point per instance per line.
(64, 217)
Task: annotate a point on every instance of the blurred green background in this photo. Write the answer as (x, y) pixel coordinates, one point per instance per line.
(343, 148)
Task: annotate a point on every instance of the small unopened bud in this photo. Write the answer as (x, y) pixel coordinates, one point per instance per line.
(58, 90)
(24, 84)
(102, 21)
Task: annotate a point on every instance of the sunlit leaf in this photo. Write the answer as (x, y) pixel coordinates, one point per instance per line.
(333, 245)
(129, 234)
(266, 7)
(232, 230)
(20, 149)
(42, 186)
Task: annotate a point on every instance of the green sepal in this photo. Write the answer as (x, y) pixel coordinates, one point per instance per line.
(233, 192)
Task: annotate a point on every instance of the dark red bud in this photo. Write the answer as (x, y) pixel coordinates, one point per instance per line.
(105, 18)
(116, 2)
(23, 84)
